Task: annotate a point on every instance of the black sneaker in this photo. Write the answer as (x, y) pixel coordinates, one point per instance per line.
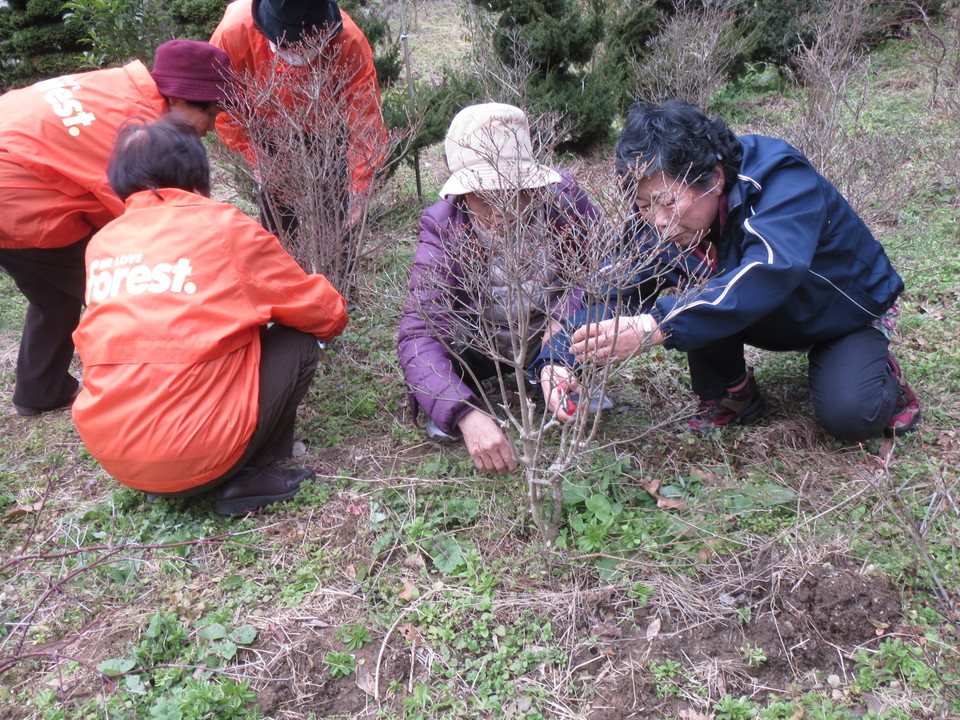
(731, 408)
(25, 411)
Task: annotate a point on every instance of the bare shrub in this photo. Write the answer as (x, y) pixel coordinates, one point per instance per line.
(491, 297)
(940, 45)
(317, 163)
(510, 82)
(689, 57)
(832, 129)
(940, 48)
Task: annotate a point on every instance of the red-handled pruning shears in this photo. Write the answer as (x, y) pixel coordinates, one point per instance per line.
(569, 406)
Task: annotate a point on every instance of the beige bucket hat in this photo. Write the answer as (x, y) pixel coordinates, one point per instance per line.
(488, 148)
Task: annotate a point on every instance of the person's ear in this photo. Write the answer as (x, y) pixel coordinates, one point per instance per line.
(719, 180)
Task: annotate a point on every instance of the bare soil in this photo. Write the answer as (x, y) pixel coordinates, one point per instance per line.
(814, 624)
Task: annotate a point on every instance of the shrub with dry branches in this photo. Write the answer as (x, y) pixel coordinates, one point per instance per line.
(492, 298)
(689, 57)
(316, 157)
(940, 47)
(511, 83)
(831, 128)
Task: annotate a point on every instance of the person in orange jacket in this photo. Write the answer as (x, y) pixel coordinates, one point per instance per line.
(282, 38)
(55, 141)
(186, 390)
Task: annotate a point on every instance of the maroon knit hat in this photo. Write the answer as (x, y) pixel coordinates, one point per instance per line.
(192, 70)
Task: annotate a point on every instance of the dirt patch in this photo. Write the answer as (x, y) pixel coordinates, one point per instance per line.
(827, 614)
(815, 622)
(298, 681)
(106, 634)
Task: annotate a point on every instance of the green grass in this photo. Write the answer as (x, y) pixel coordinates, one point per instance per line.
(799, 578)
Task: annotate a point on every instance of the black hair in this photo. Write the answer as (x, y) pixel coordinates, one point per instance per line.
(205, 105)
(678, 140)
(166, 153)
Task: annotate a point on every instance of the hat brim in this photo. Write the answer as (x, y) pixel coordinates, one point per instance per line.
(195, 90)
(488, 179)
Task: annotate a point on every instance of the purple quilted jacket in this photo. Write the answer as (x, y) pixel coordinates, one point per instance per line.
(436, 285)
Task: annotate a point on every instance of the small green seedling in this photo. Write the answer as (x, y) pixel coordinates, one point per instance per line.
(354, 636)
(340, 664)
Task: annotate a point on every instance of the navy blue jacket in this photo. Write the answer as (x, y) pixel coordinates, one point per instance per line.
(795, 265)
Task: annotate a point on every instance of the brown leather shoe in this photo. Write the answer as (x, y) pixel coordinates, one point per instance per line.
(253, 488)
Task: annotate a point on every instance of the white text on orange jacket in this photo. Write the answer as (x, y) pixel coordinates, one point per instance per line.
(111, 276)
(59, 93)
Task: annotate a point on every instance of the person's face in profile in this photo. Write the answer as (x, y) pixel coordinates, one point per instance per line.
(203, 116)
(681, 212)
(498, 211)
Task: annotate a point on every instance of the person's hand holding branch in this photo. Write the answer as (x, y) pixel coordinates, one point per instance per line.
(488, 446)
(557, 382)
(615, 340)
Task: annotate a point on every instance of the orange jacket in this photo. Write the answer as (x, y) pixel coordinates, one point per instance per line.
(353, 74)
(177, 290)
(56, 137)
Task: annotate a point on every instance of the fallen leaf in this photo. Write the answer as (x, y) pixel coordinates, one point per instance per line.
(664, 503)
(651, 486)
(653, 629)
(691, 714)
(366, 681)
(411, 634)
(885, 451)
(409, 591)
(668, 504)
(607, 632)
(23, 510)
(873, 702)
(415, 561)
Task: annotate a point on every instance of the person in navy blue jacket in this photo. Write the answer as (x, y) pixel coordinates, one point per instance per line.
(763, 251)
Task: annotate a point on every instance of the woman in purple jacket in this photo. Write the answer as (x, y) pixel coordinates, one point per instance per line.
(461, 316)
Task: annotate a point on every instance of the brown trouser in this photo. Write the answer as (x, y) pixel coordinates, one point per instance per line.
(288, 361)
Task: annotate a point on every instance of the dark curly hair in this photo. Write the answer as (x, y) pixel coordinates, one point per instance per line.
(166, 153)
(678, 140)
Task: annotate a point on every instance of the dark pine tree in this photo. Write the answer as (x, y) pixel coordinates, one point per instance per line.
(558, 38)
(35, 43)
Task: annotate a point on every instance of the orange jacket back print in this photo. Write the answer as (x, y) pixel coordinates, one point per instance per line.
(177, 290)
(56, 137)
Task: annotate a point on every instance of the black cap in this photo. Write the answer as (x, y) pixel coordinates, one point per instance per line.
(286, 22)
